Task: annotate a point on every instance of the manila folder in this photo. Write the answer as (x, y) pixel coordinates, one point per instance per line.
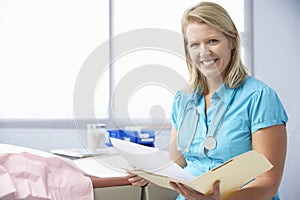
(233, 174)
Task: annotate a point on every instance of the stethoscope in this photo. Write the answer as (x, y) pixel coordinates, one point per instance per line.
(188, 123)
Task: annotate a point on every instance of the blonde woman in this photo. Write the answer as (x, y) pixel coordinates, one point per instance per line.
(226, 112)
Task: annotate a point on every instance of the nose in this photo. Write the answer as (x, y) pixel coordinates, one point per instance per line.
(204, 51)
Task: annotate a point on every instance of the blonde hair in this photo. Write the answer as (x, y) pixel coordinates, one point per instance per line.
(216, 17)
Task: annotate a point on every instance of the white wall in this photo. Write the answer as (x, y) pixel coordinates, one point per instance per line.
(276, 62)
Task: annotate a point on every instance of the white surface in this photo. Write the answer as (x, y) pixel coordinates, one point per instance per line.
(101, 167)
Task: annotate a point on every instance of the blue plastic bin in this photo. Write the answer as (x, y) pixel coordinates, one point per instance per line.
(145, 137)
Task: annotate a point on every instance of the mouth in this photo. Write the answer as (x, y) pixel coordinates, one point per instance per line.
(208, 62)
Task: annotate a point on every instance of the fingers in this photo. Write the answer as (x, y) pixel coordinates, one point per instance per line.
(190, 194)
(186, 192)
(130, 175)
(217, 191)
(181, 189)
(174, 185)
(136, 180)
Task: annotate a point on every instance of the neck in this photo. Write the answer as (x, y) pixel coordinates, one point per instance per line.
(214, 84)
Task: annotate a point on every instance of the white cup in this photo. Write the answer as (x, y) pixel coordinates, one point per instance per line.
(96, 137)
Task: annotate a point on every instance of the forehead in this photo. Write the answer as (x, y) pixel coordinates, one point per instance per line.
(202, 30)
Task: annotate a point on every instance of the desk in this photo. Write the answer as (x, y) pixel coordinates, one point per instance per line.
(119, 188)
(153, 192)
(115, 188)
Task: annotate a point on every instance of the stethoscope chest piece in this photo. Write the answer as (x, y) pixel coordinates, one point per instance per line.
(210, 143)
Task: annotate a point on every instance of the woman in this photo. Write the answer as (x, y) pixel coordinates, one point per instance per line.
(227, 112)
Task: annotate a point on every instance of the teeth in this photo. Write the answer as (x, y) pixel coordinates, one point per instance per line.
(208, 62)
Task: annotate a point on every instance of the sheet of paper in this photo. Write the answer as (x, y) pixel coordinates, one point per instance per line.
(149, 159)
(102, 167)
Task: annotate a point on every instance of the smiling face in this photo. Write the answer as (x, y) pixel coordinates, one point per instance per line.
(209, 49)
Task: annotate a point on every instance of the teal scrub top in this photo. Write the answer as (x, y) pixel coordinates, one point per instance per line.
(250, 107)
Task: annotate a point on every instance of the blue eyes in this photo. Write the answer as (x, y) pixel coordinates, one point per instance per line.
(196, 45)
(213, 41)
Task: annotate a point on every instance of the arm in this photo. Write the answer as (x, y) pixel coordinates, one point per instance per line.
(175, 155)
(272, 143)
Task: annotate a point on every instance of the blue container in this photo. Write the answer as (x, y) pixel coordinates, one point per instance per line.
(145, 137)
(130, 136)
(114, 134)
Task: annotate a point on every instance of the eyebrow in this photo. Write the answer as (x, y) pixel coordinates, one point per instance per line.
(189, 39)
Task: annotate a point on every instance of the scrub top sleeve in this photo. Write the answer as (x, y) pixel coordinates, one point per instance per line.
(175, 109)
(266, 110)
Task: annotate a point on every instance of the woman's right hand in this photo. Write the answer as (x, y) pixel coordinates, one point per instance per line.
(136, 180)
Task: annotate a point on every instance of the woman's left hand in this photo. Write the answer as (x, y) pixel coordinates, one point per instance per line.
(190, 194)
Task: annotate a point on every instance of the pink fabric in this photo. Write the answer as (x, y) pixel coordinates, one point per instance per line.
(26, 175)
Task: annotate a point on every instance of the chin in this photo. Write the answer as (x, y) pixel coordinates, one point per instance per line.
(211, 73)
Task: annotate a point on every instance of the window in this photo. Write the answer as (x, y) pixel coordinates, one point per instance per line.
(46, 46)
(43, 46)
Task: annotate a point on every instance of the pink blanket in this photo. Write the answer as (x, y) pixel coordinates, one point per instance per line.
(28, 175)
